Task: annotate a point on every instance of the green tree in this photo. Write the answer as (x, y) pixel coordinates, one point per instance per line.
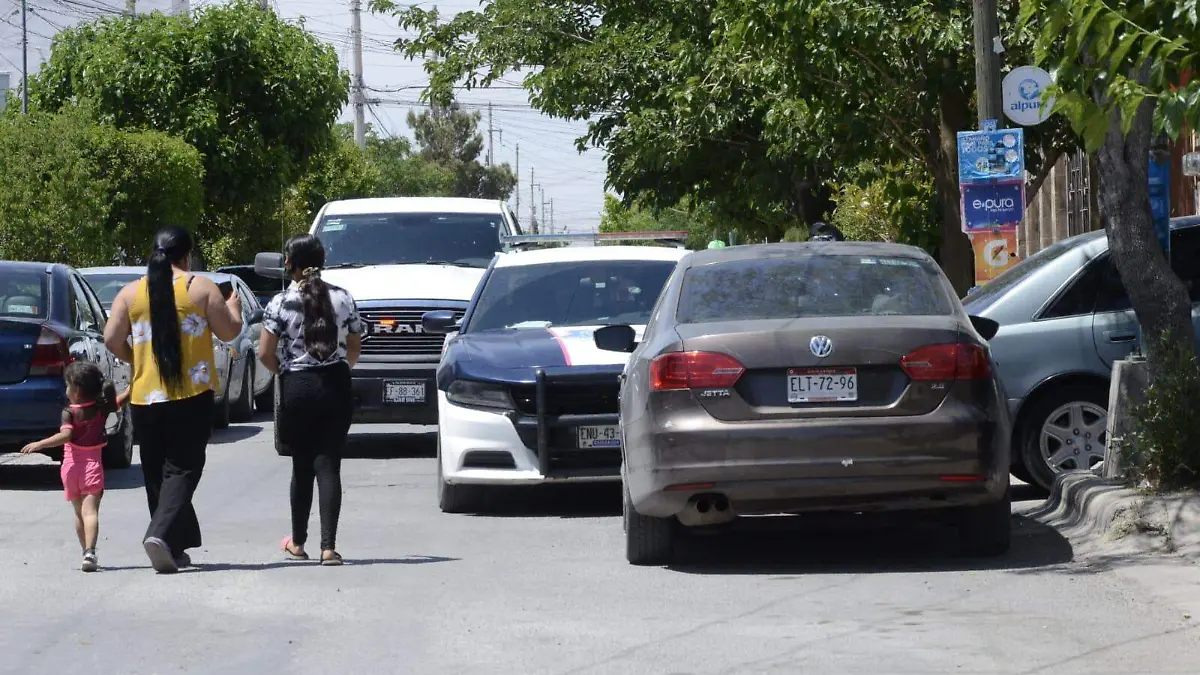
(256, 95)
(75, 192)
(752, 106)
(449, 137)
(894, 202)
(341, 171)
(402, 171)
(1123, 77)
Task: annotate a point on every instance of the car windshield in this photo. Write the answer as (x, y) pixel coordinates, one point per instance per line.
(466, 239)
(108, 285)
(570, 294)
(23, 294)
(979, 300)
(812, 286)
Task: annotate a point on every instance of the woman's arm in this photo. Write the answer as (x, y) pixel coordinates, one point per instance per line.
(224, 316)
(116, 331)
(268, 342)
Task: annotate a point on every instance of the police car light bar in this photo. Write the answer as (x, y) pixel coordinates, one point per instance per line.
(676, 236)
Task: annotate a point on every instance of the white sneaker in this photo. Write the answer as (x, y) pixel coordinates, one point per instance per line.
(90, 564)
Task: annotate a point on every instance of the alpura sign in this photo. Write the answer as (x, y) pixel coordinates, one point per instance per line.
(1025, 101)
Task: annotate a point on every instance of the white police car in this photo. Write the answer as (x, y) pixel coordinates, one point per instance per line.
(524, 395)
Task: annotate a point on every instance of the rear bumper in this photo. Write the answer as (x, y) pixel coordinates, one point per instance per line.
(368, 380)
(31, 410)
(954, 456)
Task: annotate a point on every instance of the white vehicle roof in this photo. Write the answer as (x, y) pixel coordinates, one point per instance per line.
(378, 205)
(589, 254)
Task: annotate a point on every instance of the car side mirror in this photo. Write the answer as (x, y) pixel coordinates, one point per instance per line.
(985, 327)
(439, 322)
(270, 265)
(256, 316)
(618, 338)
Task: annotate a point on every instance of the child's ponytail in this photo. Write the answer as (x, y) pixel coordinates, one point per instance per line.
(107, 400)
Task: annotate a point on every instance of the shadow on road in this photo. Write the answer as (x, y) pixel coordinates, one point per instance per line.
(578, 500)
(350, 562)
(859, 544)
(235, 433)
(389, 446)
(46, 477)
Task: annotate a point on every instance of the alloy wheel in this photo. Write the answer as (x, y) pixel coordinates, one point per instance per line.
(1074, 436)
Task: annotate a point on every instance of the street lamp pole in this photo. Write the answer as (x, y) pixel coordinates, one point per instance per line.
(24, 60)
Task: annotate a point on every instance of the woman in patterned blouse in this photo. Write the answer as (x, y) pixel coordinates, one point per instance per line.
(311, 338)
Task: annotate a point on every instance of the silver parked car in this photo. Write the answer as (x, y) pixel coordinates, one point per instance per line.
(1064, 319)
(786, 378)
(245, 384)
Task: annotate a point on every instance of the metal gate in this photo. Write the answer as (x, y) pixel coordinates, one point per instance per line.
(1079, 193)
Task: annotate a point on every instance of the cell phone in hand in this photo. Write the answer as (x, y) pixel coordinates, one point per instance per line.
(226, 289)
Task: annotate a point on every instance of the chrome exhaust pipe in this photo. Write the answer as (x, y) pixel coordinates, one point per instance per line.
(703, 505)
(721, 503)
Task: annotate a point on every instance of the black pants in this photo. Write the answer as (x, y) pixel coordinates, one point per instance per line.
(173, 436)
(315, 409)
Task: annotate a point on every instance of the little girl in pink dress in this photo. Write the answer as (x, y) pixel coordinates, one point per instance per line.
(83, 438)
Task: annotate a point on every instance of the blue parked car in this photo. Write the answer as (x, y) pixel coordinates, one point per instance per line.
(50, 317)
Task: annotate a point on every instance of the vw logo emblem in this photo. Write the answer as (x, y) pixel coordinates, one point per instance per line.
(820, 346)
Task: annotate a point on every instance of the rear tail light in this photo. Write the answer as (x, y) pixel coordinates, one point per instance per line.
(50, 354)
(951, 361)
(694, 370)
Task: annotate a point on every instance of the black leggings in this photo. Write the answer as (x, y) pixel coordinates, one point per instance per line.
(315, 407)
(173, 436)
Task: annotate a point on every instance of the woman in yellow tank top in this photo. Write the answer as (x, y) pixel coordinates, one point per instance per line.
(163, 324)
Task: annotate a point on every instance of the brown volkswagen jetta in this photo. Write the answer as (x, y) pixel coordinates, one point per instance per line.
(830, 376)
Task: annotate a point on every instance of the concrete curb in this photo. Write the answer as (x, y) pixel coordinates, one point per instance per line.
(1101, 513)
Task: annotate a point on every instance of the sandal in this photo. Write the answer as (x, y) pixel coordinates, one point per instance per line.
(333, 560)
(287, 545)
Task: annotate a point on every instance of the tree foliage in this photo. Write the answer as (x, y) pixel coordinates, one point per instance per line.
(449, 138)
(257, 97)
(753, 106)
(85, 194)
(888, 203)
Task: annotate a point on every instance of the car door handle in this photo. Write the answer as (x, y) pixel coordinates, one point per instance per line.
(1119, 337)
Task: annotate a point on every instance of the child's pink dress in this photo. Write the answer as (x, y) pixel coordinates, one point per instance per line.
(83, 465)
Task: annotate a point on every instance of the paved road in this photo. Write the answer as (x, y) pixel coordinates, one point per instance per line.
(542, 587)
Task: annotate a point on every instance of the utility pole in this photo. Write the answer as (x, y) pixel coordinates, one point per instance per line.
(542, 190)
(131, 7)
(180, 7)
(532, 202)
(491, 148)
(360, 121)
(552, 215)
(517, 175)
(265, 4)
(987, 62)
(24, 60)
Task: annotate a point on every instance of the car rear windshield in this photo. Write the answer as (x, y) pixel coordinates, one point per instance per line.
(23, 294)
(466, 239)
(570, 294)
(812, 286)
(107, 286)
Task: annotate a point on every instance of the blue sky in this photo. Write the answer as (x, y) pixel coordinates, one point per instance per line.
(574, 181)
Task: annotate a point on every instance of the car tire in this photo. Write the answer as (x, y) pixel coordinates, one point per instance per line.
(986, 530)
(118, 454)
(1039, 413)
(456, 498)
(221, 412)
(648, 540)
(1021, 473)
(243, 409)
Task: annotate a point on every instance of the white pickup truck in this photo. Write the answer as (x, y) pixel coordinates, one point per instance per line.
(401, 257)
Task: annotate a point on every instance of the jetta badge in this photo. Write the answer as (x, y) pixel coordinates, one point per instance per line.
(820, 346)
(847, 462)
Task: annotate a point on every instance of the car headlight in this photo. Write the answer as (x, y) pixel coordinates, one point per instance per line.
(479, 394)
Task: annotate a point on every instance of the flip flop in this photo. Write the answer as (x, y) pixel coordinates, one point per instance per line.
(332, 561)
(286, 546)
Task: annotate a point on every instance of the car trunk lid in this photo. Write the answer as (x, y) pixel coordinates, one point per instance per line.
(824, 367)
(18, 338)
